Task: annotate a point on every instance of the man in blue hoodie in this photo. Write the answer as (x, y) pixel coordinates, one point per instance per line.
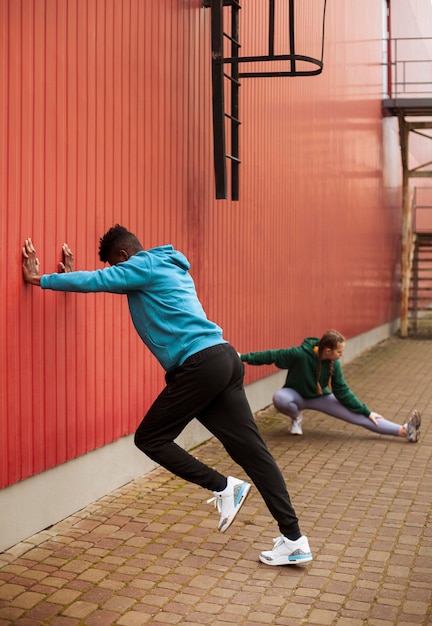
(204, 377)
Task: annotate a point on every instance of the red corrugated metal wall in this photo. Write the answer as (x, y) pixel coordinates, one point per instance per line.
(105, 117)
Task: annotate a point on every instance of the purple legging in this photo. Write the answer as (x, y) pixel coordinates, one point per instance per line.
(290, 403)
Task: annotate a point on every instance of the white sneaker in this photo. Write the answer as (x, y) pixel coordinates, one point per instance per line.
(229, 501)
(287, 552)
(296, 426)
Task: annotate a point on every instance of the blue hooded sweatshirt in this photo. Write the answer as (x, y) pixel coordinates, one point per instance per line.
(163, 302)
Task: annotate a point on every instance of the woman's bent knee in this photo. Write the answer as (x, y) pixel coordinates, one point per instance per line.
(284, 403)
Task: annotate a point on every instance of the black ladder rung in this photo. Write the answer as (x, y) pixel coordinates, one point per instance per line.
(232, 80)
(232, 40)
(232, 118)
(233, 158)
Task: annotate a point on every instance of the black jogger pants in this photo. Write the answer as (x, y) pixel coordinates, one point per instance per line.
(209, 387)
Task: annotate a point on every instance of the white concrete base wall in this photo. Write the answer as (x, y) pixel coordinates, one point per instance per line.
(42, 500)
(45, 499)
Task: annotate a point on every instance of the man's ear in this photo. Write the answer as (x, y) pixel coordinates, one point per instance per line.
(123, 255)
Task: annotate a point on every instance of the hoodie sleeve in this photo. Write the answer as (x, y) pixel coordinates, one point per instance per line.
(282, 358)
(343, 393)
(121, 278)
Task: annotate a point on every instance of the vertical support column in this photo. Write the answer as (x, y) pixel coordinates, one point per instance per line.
(406, 229)
(415, 288)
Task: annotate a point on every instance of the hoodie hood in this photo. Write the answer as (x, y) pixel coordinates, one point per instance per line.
(173, 256)
(309, 344)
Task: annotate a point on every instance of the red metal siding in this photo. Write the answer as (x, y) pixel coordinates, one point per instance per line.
(105, 117)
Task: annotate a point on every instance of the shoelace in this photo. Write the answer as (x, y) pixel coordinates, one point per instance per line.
(278, 541)
(217, 499)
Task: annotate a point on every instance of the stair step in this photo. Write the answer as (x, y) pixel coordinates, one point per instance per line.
(426, 296)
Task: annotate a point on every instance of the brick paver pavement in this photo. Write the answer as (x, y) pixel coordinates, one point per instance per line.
(149, 553)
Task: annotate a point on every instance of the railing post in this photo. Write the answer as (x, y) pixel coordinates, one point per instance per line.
(406, 253)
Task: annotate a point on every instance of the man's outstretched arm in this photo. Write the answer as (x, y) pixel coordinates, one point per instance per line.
(31, 264)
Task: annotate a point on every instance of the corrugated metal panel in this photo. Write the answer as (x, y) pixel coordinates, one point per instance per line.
(105, 117)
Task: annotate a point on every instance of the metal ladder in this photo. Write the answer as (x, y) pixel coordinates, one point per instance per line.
(220, 115)
(298, 65)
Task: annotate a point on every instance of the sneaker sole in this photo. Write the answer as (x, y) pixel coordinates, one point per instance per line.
(226, 523)
(298, 559)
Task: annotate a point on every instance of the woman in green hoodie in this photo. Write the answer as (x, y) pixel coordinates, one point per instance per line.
(315, 381)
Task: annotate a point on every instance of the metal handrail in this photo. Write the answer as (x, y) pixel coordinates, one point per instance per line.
(404, 78)
(416, 207)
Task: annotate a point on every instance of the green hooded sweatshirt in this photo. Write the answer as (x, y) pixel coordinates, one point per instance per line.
(302, 365)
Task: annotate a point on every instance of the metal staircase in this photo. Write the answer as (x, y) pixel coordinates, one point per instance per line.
(410, 100)
(420, 293)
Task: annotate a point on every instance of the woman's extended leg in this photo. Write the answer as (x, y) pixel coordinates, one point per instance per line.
(290, 403)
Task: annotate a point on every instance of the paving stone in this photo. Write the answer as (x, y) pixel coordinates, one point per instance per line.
(9, 591)
(64, 596)
(9, 614)
(133, 618)
(28, 599)
(43, 612)
(80, 609)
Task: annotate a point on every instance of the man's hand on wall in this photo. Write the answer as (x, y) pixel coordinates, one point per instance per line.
(68, 260)
(30, 264)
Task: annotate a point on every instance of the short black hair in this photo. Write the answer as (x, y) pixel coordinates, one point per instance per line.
(115, 239)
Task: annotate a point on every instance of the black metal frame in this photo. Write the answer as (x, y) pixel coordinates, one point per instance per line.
(219, 75)
(292, 57)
